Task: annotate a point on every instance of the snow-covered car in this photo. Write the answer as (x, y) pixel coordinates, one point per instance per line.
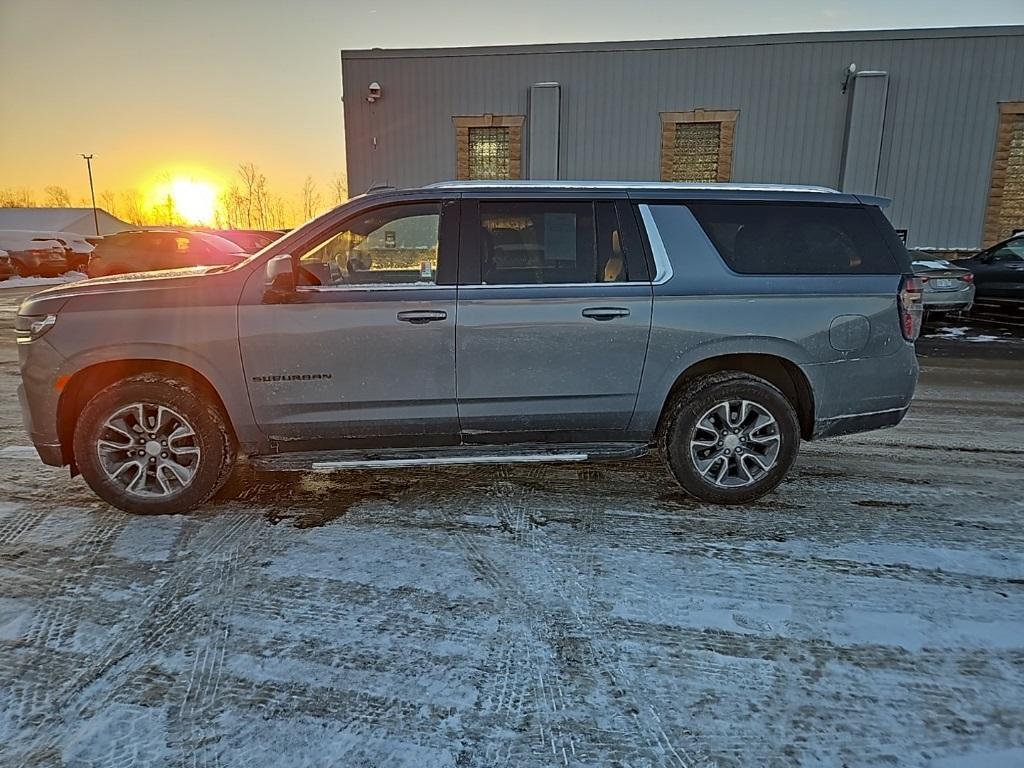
(76, 247)
(33, 254)
(6, 268)
(947, 287)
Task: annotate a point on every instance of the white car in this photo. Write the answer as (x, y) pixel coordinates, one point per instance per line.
(947, 287)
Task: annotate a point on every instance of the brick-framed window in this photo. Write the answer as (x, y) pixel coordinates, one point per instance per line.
(1005, 212)
(697, 145)
(489, 146)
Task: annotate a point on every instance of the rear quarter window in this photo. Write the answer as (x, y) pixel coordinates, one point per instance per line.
(800, 239)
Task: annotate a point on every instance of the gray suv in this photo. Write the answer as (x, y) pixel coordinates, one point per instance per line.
(481, 322)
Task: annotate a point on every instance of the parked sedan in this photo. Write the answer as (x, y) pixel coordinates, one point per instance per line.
(6, 267)
(154, 249)
(947, 286)
(30, 256)
(999, 273)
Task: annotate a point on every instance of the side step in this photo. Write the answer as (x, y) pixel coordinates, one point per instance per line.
(328, 461)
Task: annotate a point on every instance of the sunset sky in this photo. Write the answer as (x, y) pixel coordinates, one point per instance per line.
(190, 89)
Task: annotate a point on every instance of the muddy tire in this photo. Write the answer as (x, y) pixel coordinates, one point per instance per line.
(153, 445)
(730, 438)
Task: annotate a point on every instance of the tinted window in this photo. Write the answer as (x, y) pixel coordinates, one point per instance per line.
(550, 242)
(793, 239)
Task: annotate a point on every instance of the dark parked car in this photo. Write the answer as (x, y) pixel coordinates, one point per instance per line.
(947, 286)
(484, 322)
(250, 240)
(999, 273)
(151, 249)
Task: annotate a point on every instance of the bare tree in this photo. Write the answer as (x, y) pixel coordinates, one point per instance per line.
(254, 192)
(132, 208)
(310, 199)
(108, 202)
(56, 197)
(339, 188)
(231, 208)
(17, 198)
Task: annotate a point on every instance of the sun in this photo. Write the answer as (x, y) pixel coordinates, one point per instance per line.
(195, 201)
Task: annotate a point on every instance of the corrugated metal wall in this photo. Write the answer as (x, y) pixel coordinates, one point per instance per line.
(937, 143)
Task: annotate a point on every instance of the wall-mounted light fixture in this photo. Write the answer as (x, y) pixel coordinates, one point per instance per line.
(373, 91)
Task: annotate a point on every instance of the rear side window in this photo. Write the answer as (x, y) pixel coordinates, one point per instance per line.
(793, 239)
(524, 243)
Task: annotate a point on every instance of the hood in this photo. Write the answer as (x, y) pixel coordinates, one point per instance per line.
(177, 281)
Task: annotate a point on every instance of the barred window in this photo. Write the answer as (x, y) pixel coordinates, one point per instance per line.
(697, 146)
(489, 153)
(488, 147)
(695, 152)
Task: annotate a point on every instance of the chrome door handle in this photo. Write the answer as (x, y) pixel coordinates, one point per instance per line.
(422, 316)
(605, 313)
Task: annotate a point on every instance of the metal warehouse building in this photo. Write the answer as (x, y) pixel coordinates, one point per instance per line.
(932, 118)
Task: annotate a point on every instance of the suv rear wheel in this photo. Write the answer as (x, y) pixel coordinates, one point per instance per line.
(730, 438)
(152, 445)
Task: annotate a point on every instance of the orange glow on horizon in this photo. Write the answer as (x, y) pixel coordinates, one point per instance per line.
(194, 199)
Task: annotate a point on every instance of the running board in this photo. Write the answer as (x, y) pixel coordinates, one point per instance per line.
(329, 461)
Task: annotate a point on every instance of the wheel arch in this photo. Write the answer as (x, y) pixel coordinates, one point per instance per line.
(779, 371)
(84, 384)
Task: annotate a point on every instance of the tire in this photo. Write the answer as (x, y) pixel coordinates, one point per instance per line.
(756, 465)
(186, 461)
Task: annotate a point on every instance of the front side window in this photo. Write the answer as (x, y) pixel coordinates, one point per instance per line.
(395, 245)
(1011, 251)
(794, 239)
(550, 242)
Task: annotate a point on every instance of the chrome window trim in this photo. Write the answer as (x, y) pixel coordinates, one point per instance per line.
(368, 287)
(554, 285)
(662, 264)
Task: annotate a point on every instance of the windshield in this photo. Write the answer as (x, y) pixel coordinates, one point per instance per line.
(216, 242)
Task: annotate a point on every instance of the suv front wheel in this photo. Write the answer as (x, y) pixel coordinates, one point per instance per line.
(730, 438)
(152, 445)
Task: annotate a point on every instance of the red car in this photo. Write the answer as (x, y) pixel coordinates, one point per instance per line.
(145, 250)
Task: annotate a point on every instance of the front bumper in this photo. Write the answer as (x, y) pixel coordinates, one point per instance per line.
(39, 398)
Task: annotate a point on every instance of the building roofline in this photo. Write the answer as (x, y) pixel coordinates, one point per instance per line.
(871, 35)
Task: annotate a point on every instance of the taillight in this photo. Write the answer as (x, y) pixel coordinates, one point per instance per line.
(911, 306)
(968, 278)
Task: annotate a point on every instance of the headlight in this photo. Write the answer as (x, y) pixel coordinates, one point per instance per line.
(30, 327)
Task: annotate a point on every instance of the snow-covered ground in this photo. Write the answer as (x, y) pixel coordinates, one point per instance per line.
(870, 613)
(30, 282)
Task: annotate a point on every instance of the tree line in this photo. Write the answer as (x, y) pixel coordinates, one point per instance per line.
(247, 203)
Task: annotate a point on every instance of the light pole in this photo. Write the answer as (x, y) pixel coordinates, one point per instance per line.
(95, 216)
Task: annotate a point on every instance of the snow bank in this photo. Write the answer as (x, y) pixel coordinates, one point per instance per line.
(24, 282)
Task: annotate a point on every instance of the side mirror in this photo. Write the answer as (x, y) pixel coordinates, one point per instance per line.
(281, 272)
(280, 280)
